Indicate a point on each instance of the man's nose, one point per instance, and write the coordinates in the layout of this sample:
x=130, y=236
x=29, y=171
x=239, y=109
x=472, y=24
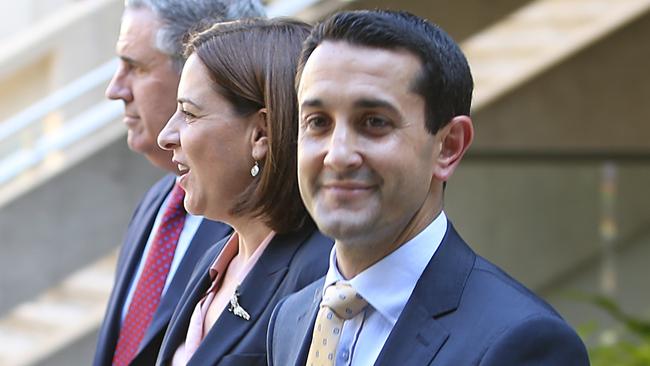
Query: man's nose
x=119, y=87
x=342, y=150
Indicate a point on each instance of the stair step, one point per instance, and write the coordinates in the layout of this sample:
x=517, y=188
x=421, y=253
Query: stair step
x=58, y=317
x=539, y=36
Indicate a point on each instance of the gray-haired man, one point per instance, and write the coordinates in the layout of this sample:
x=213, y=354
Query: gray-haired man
x=162, y=242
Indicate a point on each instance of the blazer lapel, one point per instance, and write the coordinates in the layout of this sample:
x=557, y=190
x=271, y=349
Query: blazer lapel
x=206, y=236
x=256, y=292
x=180, y=320
x=141, y=226
x=417, y=335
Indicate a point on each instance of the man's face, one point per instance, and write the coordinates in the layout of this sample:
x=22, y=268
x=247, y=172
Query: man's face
x=147, y=82
x=365, y=160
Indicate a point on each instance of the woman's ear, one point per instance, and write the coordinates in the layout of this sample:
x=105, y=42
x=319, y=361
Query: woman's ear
x=259, y=135
x=454, y=139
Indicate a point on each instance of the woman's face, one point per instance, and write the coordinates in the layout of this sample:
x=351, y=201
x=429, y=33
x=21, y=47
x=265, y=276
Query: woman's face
x=211, y=144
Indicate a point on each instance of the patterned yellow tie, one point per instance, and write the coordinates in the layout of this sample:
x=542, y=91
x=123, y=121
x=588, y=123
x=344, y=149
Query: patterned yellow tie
x=340, y=303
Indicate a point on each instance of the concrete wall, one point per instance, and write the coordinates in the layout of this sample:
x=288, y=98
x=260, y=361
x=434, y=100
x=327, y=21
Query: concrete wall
x=596, y=101
x=74, y=219
x=16, y=16
x=55, y=49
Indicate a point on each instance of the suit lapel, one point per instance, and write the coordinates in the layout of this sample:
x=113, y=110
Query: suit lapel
x=141, y=227
x=207, y=234
x=256, y=292
x=418, y=335
x=305, y=324
x=141, y=235
x=196, y=288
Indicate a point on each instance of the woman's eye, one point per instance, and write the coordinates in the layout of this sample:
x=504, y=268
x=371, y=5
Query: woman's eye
x=188, y=116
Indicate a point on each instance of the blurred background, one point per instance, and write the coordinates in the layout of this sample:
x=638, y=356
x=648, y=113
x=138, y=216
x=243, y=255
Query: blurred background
x=554, y=189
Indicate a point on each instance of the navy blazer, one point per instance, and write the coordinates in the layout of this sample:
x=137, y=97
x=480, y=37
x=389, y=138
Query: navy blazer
x=290, y=262
x=463, y=311
x=208, y=233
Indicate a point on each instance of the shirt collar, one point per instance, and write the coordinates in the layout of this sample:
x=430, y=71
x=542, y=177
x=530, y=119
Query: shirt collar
x=387, y=285
x=229, y=251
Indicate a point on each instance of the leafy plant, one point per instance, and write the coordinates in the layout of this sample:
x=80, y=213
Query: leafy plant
x=628, y=347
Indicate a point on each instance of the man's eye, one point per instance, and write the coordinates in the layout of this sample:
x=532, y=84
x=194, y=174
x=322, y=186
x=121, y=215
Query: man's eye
x=376, y=122
x=316, y=122
x=137, y=69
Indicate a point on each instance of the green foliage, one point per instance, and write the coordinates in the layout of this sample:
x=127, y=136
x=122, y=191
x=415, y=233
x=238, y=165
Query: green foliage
x=629, y=348
x=621, y=353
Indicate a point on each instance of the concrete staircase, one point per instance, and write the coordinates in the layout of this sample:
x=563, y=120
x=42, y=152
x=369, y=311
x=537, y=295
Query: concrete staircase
x=64, y=313
x=556, y=178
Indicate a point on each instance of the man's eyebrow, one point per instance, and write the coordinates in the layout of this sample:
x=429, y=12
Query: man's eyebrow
x=361, y=103
x=131, y=61
x=312, y=103
x=375, y=103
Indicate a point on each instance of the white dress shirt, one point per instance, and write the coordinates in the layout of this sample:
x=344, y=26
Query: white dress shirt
x=190, y=227
x=386, y=286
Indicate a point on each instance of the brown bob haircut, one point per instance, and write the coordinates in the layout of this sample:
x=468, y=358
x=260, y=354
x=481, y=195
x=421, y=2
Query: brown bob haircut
x=252, y=63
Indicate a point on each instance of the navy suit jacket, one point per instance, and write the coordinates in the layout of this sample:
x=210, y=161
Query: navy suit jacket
x=290, y=262
x=208, y=233
x=463, y=311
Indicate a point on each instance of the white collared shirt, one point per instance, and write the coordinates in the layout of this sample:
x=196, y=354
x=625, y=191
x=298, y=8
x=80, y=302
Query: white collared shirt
x=386, y=285
x=190, y=227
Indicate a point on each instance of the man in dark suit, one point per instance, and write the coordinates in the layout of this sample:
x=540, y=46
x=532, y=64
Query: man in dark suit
x=384, y=121
x=163, y=242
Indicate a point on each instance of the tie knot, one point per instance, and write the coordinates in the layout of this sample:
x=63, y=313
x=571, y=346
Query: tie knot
x=344, y=301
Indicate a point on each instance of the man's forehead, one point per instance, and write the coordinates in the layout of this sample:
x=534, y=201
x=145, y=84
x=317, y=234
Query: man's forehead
x=340, y=62
x=137, y=31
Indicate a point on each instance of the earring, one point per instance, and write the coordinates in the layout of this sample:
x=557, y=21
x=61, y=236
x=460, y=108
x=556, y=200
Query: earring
x=255, y=169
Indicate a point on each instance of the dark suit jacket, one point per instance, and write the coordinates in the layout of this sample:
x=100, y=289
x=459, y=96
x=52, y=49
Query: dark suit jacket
x=463, y=311
x=289, y=263
x=208, y=233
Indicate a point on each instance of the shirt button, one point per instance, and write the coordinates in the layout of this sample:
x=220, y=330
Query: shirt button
x=345, y=354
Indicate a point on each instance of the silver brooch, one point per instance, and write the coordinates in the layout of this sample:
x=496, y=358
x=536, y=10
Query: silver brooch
x=235, y=308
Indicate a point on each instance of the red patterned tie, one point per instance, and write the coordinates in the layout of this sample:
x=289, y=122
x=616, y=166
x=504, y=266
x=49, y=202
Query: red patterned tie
x=152, y=280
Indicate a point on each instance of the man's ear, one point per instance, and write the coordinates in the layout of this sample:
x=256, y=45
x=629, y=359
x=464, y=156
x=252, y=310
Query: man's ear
x=454, y=139
x=259, y=135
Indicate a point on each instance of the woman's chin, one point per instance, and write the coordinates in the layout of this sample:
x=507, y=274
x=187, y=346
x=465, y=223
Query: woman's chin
x=191, y=206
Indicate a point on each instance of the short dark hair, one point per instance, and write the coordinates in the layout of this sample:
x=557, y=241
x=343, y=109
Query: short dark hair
x=252, y=63
x=444, y=81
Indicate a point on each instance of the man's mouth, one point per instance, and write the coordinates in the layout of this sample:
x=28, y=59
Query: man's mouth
x=346, y=185
x=130, y=120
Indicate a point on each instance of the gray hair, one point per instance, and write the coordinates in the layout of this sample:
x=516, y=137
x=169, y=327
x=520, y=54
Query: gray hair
x=181, y=17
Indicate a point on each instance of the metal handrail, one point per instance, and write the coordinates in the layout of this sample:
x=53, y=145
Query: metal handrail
x=88, y=121
x=81, y=126
x=40, y=109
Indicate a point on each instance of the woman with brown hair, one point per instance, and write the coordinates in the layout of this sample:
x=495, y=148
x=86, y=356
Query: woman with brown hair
x=234, y=140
